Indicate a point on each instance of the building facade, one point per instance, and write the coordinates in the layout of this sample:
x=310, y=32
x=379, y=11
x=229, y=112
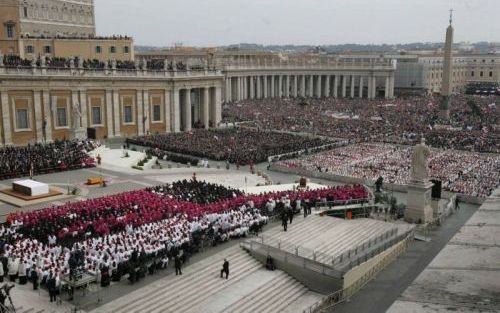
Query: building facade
x=425, y=72
x=57, y=28
x=39, y=104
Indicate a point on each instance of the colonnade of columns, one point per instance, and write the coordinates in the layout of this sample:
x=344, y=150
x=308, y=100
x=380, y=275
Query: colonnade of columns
x=197, y=107
x=239, y=88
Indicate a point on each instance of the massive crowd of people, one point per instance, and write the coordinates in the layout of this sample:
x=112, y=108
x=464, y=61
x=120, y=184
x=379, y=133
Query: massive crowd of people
x=17, y=161
x=239, y=146
x=460, y=171
x=400, y=121
x=143, y=227
x=194, y=191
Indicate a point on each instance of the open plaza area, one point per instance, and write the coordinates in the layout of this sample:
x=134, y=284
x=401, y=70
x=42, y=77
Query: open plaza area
x=186, y=167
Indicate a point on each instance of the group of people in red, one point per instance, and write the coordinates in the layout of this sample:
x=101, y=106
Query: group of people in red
x=110, y=214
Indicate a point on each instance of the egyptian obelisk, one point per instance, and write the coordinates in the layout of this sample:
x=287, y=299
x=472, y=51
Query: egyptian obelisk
x=447, y=85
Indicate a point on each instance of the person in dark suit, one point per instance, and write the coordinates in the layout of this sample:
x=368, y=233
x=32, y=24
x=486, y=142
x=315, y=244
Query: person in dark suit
x=34, y=277
x=51, y=285
x=178, y=265
x=225, y=268
x=284, y=220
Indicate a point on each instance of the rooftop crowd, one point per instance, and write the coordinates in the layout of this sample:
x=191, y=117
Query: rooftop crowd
x=236, y=146
x=460, y=171
x=13, y=61
x=399, y=121
x=152, y=224
x=45, y=158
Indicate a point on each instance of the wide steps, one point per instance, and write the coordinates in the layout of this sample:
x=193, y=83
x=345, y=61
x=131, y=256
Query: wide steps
x=181, y=292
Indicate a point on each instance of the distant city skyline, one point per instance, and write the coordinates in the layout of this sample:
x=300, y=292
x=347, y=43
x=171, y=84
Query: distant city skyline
x=301, y=22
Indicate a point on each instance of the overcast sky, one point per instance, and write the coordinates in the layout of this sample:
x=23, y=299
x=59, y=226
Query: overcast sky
x=314, y=22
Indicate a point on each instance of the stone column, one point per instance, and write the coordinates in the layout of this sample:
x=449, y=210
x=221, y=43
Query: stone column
x=287, y=86
x=206, y=109
x=374, y=89
x=237, y=89
x=318, y=87
x=245, y=87
x=37, y=98
x=218, y=106
x=147, y=114
x=344, y=86
x=386, y=91
x=370, y=87
x=311, y=86
x=228, y=89
x=353, y=83
x=140, y=108
x=167, y=112
x=280, y=86
x=273, y=90
x=335, y=86
x=7, y=130
x=83, y=101
x=177, y=110
x=265, y=87
x=75, y=101
x=327, y=86
x=258, y=83
x=391, y=87
x=109, y=113
x=361, y=78
x=252, y=87
x=295, y=86
x=187, y=109
x=47, y=109
x=302, y=85
x=116, y=112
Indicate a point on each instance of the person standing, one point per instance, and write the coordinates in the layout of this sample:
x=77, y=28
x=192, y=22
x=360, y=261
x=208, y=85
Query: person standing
x=225, y=268
x=290, y=214
x=284, y=220
x=51, y=285
x=34, y=277
x=178, y=265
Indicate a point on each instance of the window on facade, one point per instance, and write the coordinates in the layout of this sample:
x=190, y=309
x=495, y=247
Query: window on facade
x=30, y=49
x=98, y=49
x=481, y=73
x=61, y=117
x=127, y=114
x=126, y=49
x=25, y=11
x=22, y=121
x=112, y=49
x=491, y=74
x=10, y=31
x=472, y=73
x=96, y=116
x=156, y=113
x=47, y=49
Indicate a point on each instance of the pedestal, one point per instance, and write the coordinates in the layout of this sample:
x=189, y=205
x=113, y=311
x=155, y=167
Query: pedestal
x=79, y=133
x=418, y=207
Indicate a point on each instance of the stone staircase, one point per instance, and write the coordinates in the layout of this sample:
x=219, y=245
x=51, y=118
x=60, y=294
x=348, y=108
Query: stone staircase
x=250, y=288
x=325, y=238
